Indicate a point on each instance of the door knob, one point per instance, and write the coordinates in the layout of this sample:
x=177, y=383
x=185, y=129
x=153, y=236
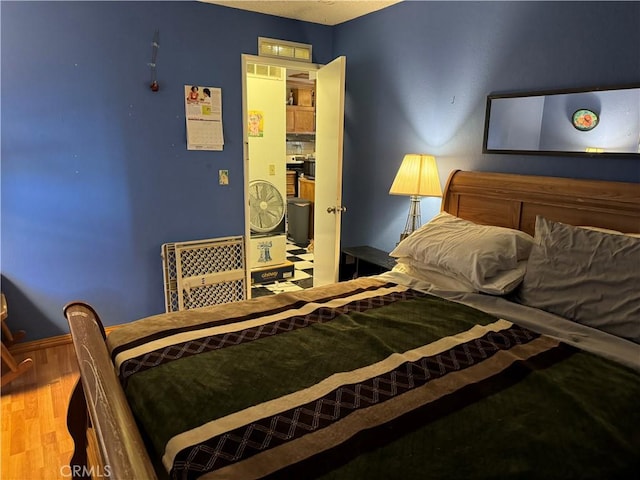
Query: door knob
x=336, y=209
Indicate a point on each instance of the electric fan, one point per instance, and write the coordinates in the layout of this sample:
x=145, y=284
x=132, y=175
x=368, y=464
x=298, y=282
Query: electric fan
x=266, y=206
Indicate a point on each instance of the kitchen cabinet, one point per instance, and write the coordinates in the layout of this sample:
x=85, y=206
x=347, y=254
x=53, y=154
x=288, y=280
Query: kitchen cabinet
x=307, y=190
x=303, y=96
x=292, y=177
x=301, y=119
x=301, y=108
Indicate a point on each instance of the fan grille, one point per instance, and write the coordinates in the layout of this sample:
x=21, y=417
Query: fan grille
x=266, y=206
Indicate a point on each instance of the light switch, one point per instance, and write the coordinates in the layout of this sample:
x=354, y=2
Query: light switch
x=272, y=169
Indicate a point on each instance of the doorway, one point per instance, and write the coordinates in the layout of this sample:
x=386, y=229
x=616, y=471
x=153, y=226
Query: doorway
x=293, y=131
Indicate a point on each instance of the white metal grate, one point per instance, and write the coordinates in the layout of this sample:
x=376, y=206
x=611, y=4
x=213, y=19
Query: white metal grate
x=203, y=272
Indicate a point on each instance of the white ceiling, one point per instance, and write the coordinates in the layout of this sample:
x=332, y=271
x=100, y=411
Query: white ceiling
x=326, y=12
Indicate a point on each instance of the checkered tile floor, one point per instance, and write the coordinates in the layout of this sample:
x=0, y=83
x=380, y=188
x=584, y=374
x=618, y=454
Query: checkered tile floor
x=302, y=276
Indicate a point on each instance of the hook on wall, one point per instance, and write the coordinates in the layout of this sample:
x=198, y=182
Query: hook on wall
x=155, y=44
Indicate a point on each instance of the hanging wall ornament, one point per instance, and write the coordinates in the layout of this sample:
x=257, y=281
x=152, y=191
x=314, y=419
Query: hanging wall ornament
x=154, y=55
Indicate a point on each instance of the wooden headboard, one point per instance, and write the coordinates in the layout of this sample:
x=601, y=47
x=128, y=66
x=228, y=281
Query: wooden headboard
x=513, y=201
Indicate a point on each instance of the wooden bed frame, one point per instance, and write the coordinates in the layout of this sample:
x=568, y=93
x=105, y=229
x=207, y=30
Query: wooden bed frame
x=98, y=401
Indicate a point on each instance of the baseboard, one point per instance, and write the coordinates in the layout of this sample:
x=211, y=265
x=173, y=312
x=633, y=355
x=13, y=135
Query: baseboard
x=50, y=342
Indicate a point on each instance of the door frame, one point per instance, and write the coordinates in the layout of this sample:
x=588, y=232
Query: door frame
x=286, y=64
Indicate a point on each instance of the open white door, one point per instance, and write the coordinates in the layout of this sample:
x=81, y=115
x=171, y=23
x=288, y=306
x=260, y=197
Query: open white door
x=330, y=88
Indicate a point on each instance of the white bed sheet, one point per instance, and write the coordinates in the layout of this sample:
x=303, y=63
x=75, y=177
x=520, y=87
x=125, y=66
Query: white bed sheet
x=586, y=338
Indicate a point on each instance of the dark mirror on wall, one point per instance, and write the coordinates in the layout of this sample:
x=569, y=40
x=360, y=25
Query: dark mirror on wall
x=568, y=122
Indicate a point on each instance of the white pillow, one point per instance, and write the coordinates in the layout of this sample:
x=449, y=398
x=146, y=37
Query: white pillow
x=500, y=284
x=473, y=252
x=437, y=278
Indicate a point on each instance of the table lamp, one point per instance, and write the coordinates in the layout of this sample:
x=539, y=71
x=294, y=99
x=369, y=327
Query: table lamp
x=416, y=177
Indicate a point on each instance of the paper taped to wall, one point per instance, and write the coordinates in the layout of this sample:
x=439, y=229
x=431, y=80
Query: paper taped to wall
x=203, y=114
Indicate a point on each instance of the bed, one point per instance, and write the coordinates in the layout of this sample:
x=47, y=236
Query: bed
x=515, y=354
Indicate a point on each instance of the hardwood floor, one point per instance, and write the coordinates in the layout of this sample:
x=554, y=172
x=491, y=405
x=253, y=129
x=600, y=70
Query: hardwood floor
x=34, y=438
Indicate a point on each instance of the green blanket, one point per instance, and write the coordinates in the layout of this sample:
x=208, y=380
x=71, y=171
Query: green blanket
x=370, y=380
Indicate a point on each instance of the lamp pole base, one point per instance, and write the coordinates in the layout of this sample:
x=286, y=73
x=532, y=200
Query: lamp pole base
x=413, y=219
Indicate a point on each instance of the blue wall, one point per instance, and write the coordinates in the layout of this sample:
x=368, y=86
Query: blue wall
x=95, y=171
x=418, y=74
x=95, y=174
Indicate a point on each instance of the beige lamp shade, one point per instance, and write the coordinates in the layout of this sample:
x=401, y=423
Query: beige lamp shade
x=418, y=175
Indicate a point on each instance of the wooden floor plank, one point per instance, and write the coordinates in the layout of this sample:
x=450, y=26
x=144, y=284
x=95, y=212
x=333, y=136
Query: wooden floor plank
x=17, y=434
x=35, y=442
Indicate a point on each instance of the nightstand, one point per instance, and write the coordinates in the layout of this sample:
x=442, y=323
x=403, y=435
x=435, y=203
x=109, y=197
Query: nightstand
x=364, y=260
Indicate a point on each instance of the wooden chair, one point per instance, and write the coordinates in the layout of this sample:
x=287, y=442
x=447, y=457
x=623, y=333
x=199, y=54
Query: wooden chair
x=8, y=339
